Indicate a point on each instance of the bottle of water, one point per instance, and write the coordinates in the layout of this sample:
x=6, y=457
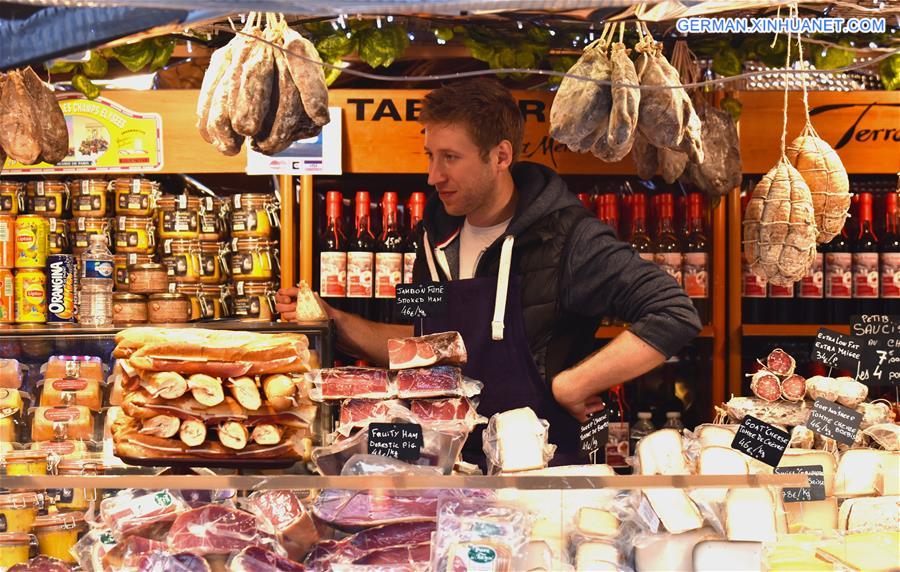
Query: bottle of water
x=96, y=284
x=673, y=420
x=642, y=428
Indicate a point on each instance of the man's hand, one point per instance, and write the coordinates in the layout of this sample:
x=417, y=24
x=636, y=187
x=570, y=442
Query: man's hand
x=286, y=303
x=570, y=393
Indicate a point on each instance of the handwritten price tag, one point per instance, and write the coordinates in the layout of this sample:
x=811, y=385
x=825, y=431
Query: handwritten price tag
x=761, y=441
x=421, y=300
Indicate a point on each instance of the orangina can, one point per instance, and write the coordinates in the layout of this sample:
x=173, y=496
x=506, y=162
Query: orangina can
x=31, y=297
x=32, y=241
x=7, y=241
x=7, y=296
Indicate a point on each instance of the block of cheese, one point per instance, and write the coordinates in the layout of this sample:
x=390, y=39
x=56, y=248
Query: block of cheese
x=813, y=515
x=716, y=435
x=574, y=499
x=551, y=532
x=750, y=515
x=795, y=552
x=596, y=522
x=521, y=439
x=727, y=556
x=807, y=457
x=888, y=480
x=661, y=453
x=870, y=514
x=869, y=551
x=715, y=460
x=535, y=556
x=670, y=551
x=676, y=511
x=857, y=472
x=597, y=556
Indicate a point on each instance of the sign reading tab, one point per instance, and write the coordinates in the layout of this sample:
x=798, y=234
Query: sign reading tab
x=595, y=432
x=830, y=419
x=421, y=300
x=834, y=349
x=761, y=441
x=401, y=441
x=814, y=492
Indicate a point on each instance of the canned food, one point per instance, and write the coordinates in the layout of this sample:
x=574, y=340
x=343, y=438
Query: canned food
x=255, y=300
x=122, y=262
x=12, y=199
x=57, y=534
x=169, y=308
x=59, y=236
x=90, y=197
x=129, y=308
x=48, y=198
x=213, y=263
x=253, y=259
x=7, y=241
x=31, y=297
x=213, y=219
x=179, y=217
x=82, y=229
x=182, y=260
x=147, y=278
x=32, y=241
x=135, y=197
x=135, y=234
x=7, y=296
x=253, y=215
x=61, y=288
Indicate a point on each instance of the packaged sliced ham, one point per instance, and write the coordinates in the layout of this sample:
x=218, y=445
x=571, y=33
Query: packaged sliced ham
x=216, y=529
x=348, y=382
x=163, y=561
x=382, y=544
x=132, y=510
x=440, y=381
x=446, y=348
x=293, y=525
x=358, y=413
x=256, y=559
x=447, y=410
x=355, y=510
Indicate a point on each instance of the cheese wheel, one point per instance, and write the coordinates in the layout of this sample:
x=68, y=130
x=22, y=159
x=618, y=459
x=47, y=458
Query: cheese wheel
x=870, y=514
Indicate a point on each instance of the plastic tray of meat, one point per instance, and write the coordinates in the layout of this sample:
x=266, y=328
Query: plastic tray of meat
x=439, y=381
x=451, y=410
x=446, y=348
x=347, y=382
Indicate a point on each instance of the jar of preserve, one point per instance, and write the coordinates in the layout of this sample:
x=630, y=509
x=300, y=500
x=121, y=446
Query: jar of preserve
x=129, y=309
x=253, y=259
x=213, y=219
x=47, y=198
x=215, y=296
x=168, y=308
x=135, y=197
x=200, y=308
x=213, y=262
x=81, y=229
x=15, y=548
x=255, y=300
x=77, y=499
x=19, y=511
x=121, y=262
x=147, y=278
x=90, y=198
x=59, y=236
x=12, y=197
x=25, y=463
x=135, y=234
x=182, y=260
x=58, y=533
x=178, y=217
x=254, y=215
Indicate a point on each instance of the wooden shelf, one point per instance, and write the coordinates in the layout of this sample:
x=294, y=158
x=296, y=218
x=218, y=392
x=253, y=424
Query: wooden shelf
x=791, y=329
x=609, y=332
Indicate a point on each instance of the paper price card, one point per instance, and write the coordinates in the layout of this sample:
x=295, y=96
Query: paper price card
x=595, y=433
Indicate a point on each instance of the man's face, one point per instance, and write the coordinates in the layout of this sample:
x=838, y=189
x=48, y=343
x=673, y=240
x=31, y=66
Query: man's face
x=463, y=180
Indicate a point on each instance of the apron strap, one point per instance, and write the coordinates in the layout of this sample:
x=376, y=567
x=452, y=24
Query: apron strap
x=502, y=288
x=442, y=260
x=429, y=258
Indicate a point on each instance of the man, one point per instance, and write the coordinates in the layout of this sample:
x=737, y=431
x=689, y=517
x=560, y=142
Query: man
x=528, y=274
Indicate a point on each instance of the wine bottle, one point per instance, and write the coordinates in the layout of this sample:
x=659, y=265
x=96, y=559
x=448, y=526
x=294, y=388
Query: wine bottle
x=753, y=287
x=782, y=304
x=890, y=256
x=865, y=261
x=639, y=238
x=416, y=211
x=839, y=278
x=388, y=259
x=333, y=253
x=586, y=201
x=667, y=251
x=811, y=291
x=361, y=260
x=696, y=258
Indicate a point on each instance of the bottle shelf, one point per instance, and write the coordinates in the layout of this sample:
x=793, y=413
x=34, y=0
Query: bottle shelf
x=798, y=330
x=609, y=332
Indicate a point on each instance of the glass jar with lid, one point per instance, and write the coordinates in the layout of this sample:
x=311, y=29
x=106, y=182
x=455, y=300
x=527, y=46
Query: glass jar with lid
x=81, y=230
x=129, y=309
x=122, y=262
x=19, y=510
x=135, y=234
x=59, y=236
x=213, y=219
x=253, y=259
x=147, y=278
x=47, y=198
x=214, y=265
x=15, y=548
x=12, y=197
x=58, y=533
x=182, y=260
x=78, y=499
x=168, y=308
x=178, y=217
x=90, y=198
x=135, y=197
x=255, y=300
x=254, y=215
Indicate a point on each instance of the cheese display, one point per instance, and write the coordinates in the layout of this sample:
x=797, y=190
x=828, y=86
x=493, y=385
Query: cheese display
x=750, y=515
x=806, y=458
x=857, y=472
x=870, y=514
x=516, y=440
x=811, y=515
x=670, y=551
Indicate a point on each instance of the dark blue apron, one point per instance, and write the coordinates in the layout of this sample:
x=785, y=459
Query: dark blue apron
x=505, y=366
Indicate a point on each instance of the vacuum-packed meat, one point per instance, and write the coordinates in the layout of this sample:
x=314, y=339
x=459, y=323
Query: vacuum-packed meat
x=132, y=510
x=358, y=413
x=354, y=510
x=347, y=382
x=397, y=555
x=440, y=381
x=372, y=541
x=444, y=410
x=41, y=563
x=215, y=529
x=159, y=561
x=293, y=525
x=446, y=348
x=256, y=559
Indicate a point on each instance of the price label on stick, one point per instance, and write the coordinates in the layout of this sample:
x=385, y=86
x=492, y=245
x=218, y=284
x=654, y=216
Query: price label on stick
x=401, y=441
x=595, y=434
x=761, y=441
x=421, y=300
x=834, y=349
x=814, y=492
x=830, y=419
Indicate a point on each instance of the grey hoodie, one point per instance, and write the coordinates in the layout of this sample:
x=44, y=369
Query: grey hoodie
x=602, y=276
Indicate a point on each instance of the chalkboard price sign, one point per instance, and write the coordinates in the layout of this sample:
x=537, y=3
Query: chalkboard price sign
x=876, y=329
x=834, y=349
x=880, y=365
x=814, y=492
x=401, y=441
x=595, y=432
x=421, y=300
x=830, y=419
x=761, y=441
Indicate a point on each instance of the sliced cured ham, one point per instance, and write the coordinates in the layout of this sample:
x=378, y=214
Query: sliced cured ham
x=294, y=526
x=354, y=510
x=348, y=382
x=215, y=529
x=358, y=413
x=440, y=381
x=166, y=562
x=376, y=543
x=446, y=348
x=256, y=559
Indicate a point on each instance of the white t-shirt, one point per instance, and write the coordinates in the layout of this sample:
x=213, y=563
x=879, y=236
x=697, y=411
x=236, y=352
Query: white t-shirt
x=473, y=241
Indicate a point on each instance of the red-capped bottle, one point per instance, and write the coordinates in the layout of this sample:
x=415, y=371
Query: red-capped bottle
x=388, y=258
x=890, y=255
x=811, y=291
x=585, y=199
x=865, y=261
x=416, y=210
x=753, y=287
x=839, y=278
x=639, y=238
x=361, y=259
x=333, y=253
x=696, y=258
x=667, y=251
